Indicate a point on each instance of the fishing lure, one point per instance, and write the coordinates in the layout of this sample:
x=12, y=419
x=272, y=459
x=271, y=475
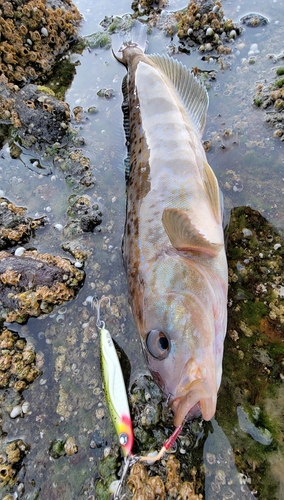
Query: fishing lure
x=114, y=387
x=116, y=397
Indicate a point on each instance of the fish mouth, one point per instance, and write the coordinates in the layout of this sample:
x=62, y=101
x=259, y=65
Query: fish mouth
x=196, y=398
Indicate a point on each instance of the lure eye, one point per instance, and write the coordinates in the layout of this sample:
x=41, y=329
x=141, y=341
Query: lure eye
x=123, y=439
x=157, y=344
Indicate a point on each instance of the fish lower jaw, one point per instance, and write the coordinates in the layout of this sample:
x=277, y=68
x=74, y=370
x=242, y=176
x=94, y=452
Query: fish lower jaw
x=197, y=400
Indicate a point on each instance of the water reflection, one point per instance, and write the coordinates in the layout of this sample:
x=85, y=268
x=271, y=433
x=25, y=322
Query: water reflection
x=222, y=478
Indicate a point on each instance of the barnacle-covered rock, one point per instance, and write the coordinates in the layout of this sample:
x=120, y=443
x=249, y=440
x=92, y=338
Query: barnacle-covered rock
x=11, y=458
x=33, y=34
x=76, y=167
x=256, y=273
x=270, y=96
x=15, y=228
x=17, y=361
x=254, y=20
x=203, y=22
x=144, y=487
x=87, y=212
x=145, y=7
x=33, y=283
x=41, y=115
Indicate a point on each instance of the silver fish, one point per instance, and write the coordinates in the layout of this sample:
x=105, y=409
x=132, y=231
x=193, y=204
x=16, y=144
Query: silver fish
x=173, y=244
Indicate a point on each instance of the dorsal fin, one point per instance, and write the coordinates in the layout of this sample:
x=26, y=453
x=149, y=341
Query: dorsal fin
x=193, y=95
x=183, y=234
x=213, y=191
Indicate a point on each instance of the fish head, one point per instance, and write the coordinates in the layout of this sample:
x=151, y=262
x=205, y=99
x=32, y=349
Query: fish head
x=179, y=342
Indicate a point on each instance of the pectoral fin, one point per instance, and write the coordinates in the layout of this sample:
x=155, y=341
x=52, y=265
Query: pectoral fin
x=183, y=234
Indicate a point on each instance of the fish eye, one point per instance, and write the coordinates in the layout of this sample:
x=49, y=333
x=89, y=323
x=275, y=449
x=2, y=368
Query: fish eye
x=157, y=344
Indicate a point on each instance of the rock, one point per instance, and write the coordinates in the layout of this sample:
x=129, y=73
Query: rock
x=88, y=213
x=33, y=283
x=42, y=116
x=15, y=228
x=254, y=20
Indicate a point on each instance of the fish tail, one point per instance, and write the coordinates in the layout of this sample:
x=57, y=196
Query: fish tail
x=136, y=37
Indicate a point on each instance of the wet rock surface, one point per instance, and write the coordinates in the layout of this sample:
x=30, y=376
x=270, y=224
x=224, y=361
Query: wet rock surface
x=76, y=167
x=41, y=115
x=87, y=213
x=35, y=112
x=32, y=284
x=15, y=228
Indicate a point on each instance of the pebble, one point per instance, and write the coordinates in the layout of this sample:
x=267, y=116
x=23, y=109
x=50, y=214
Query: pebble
x=253, y=50
x=19, y=251
x=16, y=411
x=25, y=407
x=59, y=227
x=113, y=486
x=107, y=451
x=208, y=47
x=246, y=232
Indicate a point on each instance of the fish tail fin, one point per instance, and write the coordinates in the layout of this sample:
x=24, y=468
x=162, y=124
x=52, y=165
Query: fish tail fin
x=136, y=37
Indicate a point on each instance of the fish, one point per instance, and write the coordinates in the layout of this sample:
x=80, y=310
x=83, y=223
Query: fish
x=173, y=245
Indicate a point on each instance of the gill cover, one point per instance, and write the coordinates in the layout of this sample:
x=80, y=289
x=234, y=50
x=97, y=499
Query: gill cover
x=115, y=392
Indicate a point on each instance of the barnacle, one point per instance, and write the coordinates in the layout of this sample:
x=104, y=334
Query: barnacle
x=35, y=36
x=23, y=30
x=7, y=473
x=10, y=277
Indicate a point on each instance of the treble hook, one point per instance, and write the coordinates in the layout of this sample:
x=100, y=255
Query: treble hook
x=129, y=461
x=96, y=304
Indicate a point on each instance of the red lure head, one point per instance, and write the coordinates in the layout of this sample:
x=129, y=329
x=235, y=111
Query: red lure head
x=125, y=434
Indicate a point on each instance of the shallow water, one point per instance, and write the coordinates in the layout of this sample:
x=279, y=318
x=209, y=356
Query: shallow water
x=67, y=400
